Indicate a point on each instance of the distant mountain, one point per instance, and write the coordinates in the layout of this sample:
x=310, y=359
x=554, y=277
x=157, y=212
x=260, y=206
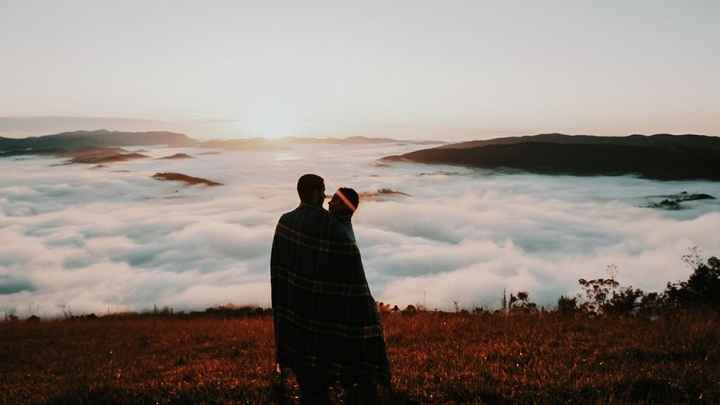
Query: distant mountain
x=263, y=143
x=69, y=141
x=357, y=140
x=659, y=140
x=75, y=140
x=239, y=144
x=661, y=156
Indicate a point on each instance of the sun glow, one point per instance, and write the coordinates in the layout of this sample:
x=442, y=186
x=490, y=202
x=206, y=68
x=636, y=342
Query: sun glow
x=270, y=120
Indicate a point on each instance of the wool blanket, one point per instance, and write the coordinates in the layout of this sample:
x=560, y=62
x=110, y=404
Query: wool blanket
x=324, y=316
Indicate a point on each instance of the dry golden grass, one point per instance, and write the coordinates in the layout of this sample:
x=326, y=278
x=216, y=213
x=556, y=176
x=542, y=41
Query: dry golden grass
x=435, y=358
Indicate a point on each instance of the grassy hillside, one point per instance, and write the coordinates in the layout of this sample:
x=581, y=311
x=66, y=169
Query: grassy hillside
x=435, y=357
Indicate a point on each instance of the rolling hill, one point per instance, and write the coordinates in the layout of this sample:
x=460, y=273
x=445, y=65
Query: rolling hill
x=79, y=140
x=661, y=156
x=69, y=141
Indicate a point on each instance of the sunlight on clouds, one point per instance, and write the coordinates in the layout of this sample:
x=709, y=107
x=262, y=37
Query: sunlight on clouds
x=98, y=239
x=270, y=119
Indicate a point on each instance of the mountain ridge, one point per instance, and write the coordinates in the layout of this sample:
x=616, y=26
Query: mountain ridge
x=74, y=140
x=660, y=156
x=555, y=137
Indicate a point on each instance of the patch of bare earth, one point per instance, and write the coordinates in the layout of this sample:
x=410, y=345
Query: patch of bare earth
x=190, y=180
x=382, y=193
x=99, y=156
x=177, y=156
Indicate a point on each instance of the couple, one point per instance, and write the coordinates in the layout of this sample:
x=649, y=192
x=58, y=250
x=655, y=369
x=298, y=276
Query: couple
x=326, y=324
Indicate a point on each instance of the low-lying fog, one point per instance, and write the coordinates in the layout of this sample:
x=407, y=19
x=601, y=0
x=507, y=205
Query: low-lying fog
x=90, y=239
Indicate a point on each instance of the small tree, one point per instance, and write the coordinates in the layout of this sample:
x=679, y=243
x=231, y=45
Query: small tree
x=597, y=293
x=521, y=302
x=651, y=305
x=701, y=290
x=567, y=305
x=606, y=296
x=409, y=310
x=623, y=301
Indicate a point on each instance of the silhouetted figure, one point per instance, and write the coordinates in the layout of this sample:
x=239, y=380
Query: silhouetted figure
x=326, y=322
x=342, y=206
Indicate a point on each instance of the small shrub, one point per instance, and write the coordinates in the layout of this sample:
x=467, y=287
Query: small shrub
x=383, y=308
x=567, y=305
x=521, y=303
x=409, y=310
x=701, y=290
x=597, y=293
x=623, y=302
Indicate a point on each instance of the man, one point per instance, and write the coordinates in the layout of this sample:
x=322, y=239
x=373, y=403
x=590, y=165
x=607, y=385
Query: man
x=325, y=321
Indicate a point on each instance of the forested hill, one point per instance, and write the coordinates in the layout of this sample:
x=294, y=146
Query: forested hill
x=76, y=140
x=67, y=141
x=662, y=156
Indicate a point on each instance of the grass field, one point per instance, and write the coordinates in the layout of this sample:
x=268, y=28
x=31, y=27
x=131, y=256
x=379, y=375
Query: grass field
x=435, y=358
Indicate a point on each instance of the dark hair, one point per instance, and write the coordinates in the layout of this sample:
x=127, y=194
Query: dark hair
x=351, y=195
x=307, y=184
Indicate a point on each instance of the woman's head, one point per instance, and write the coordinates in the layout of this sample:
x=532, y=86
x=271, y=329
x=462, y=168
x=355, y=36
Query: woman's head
x=344, y=202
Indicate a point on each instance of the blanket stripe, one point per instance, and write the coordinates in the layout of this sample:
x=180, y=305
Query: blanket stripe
x=314, y=243
x=316, y=286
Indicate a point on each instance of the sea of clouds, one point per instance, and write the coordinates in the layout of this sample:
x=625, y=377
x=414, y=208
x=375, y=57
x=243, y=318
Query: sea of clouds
x=84, y=239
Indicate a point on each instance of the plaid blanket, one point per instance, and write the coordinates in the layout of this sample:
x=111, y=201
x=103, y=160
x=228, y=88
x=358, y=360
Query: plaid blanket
x=324, y=316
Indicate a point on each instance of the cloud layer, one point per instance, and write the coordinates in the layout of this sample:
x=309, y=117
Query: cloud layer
x=112, y=239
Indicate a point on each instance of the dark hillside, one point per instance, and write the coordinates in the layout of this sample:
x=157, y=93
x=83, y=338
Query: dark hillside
x=69, y=141
x=663, y=157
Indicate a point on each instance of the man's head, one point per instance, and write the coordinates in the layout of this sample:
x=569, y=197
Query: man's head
x=311, y=189
x=344, y=202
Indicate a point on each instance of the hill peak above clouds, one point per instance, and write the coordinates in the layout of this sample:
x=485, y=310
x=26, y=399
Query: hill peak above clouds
x=660, y=156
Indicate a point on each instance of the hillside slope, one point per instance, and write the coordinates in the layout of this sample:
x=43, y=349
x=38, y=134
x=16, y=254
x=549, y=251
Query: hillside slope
x=68, y=141
x=663, y=157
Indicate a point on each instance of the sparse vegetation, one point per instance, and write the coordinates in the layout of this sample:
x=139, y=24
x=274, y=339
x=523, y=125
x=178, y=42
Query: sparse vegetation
x=597, y=348
x=436, y=357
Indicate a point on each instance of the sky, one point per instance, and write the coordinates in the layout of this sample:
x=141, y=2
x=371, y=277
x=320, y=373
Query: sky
x=414, y=69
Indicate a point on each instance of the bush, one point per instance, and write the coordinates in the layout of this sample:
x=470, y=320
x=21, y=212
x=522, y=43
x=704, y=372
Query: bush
x=598, y=293
x=606, y=296
x=701, y=290
x=521, y=303
x=567, y=305
x=623, y=302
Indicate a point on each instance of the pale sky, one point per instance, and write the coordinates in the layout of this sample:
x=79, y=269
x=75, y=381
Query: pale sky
x=415, y=69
